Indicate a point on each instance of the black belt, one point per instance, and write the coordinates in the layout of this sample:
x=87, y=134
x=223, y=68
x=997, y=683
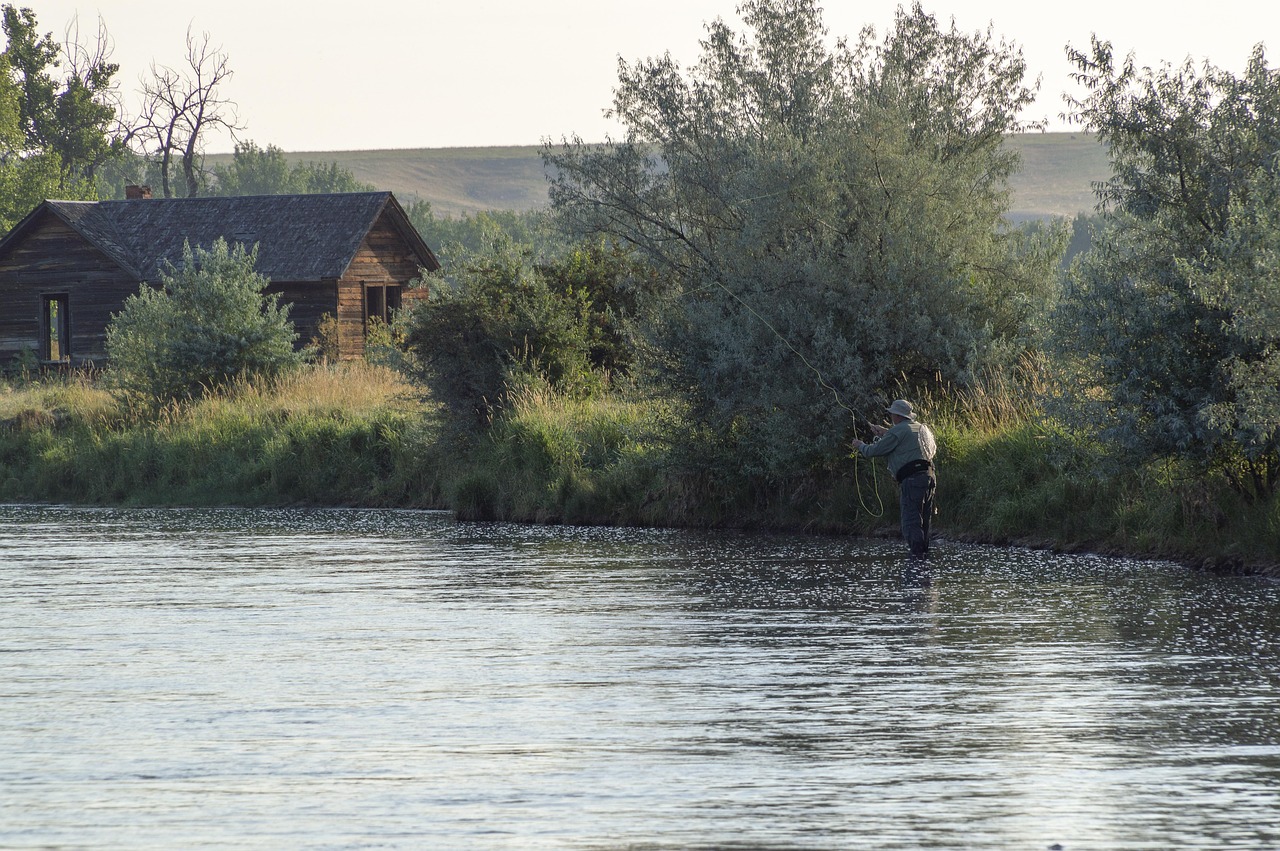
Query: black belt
x=912, y=467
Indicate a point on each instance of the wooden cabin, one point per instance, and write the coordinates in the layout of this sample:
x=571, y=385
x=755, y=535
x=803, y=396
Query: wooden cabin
x=68, y=266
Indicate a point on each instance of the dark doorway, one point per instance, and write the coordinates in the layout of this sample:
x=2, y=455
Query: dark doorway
x=55, y=328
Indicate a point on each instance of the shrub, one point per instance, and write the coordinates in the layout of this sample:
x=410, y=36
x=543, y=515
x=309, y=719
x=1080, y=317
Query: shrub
x=505, y=317
x=1170, y=319
x=208, y=323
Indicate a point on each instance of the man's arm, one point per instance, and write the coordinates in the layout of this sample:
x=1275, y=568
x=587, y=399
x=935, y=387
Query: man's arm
x=883, y=445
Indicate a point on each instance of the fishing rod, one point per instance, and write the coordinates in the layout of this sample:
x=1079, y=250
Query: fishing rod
x=857, y=456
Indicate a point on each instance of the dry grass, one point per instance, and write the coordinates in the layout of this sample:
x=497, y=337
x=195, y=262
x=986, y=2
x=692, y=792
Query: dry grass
x=324, y=390
x=997, y=402
x=76, y=394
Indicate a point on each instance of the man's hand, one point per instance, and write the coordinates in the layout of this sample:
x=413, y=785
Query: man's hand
x=878, y=430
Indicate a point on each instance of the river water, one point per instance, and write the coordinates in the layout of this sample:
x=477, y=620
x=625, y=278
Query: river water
x=374, y=679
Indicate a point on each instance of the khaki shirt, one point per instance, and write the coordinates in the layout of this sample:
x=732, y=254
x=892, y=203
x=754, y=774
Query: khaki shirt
x=906, y=442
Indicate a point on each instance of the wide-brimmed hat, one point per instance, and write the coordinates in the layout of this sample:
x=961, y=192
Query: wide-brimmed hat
x=902, y=408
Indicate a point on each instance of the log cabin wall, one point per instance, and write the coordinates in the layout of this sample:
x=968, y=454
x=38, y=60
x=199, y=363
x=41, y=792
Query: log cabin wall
x=55, y=260
x=350, y=314
x=308, y=301
x=383, y=261
x=81, y=260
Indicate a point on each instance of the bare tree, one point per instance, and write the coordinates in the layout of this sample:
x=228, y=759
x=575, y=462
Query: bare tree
x=86, y=62
x=90, y=111
x=180, y=107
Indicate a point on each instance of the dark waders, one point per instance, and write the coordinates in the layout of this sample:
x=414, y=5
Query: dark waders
x=915, y=502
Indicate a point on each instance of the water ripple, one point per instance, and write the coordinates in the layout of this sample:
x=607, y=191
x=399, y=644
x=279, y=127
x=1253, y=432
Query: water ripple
x=342, y=679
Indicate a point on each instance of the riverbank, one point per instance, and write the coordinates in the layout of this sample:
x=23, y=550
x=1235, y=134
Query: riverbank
x=359, y=435
x=332, y=435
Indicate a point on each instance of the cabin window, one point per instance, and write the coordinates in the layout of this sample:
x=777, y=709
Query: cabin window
x=55, y=328
x=380, y=302
x=375, y=303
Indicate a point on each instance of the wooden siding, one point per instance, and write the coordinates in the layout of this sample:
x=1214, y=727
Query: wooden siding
x=54, y=259
x=308, y=302
x=383, y=259
x=351, y=330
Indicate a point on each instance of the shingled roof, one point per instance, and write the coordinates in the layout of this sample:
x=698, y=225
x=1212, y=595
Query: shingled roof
x=299, y=237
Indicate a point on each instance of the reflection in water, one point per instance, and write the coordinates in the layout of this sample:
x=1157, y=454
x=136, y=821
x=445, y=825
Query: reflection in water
x=227, y=678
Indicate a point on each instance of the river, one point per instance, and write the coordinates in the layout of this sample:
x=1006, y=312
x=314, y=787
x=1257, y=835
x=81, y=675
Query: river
x=227, y=678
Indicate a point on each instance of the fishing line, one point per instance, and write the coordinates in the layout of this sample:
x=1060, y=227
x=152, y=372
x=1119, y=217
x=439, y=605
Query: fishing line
x=857, y=456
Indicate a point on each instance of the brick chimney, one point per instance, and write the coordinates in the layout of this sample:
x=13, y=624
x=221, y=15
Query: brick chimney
x=137, y=193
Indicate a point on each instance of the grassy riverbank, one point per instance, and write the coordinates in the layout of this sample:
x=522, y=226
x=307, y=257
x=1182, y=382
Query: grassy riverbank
x=360, y=435
x=327, y=435
x=1006, y=476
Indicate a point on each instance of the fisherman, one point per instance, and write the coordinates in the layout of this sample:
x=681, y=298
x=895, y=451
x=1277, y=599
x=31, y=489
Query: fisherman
x=908, y=447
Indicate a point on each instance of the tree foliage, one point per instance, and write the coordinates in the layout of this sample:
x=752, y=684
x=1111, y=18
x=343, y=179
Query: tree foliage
x=70, y=115
x=1173, y=301
x=505, y=314
x=55, y=129
x=258, y=171
x=463, y=236
x=831, y=217
x=207, y=323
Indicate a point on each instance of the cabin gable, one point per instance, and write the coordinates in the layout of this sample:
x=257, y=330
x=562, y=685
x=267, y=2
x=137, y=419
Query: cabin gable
x=58, y=292
x=377, y=283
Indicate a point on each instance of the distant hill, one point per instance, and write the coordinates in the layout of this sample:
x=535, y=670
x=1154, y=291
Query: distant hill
x=1058, y=173
x=1056, y=180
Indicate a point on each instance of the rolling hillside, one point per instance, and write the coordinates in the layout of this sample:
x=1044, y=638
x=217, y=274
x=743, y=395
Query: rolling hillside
x=1056, y=180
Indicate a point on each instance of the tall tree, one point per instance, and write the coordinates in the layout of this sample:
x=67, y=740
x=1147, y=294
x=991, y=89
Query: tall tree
x=180, y=108
x=1170, y=303
x=830, y=217
x=73, y=115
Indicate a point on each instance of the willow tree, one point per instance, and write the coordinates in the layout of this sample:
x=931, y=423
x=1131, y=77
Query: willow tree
x=830, y=218
x=1177, y=304
x=209, y=322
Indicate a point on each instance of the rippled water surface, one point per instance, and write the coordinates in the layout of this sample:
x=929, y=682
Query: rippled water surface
x=371, y=679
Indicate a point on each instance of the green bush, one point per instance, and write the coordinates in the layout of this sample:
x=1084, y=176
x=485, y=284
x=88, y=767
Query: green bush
x=1169, y=323
x=505, y=316
x=208, y=323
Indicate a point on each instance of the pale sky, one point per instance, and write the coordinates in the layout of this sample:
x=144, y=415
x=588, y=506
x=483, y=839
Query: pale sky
x=377, y=74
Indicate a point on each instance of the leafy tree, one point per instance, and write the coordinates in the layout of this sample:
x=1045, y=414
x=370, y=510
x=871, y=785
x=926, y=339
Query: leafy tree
x=28, y=176
x=72, y=118
x=463, y=236
x=832, y=218
x=255, y=171
x=208, y=323
x=504, y=315
x=1170, y=302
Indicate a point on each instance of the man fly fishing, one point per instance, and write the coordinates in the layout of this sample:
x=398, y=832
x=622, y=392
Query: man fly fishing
x=908, y=447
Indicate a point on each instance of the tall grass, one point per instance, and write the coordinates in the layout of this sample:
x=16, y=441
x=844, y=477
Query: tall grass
x=354, y=434
x=343, y=434
x=1007, y=472
x=551, y=457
